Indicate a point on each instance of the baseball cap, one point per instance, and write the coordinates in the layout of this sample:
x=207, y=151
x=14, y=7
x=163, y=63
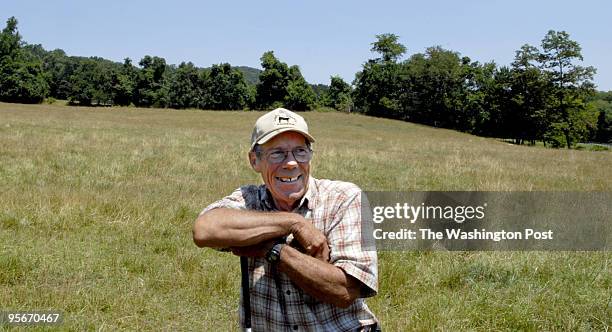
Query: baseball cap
x=278, y=121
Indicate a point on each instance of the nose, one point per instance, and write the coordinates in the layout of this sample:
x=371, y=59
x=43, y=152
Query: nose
x=290, y=162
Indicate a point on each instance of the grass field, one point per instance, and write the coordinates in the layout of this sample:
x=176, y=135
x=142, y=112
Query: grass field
x=97, y=204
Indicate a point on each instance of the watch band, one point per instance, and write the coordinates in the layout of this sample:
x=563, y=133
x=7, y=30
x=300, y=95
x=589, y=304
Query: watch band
x=273, y=255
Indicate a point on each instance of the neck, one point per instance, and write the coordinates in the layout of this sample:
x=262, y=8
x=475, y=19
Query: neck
x=284, y=206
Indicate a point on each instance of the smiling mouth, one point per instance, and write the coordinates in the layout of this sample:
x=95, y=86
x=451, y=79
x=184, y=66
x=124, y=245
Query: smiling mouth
x=286, y=179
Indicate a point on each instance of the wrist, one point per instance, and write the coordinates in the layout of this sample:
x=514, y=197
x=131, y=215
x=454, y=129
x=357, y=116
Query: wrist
x=296, y=222
x=273, y=255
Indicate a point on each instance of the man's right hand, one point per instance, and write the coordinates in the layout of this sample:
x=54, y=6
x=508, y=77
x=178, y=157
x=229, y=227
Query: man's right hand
x=311, y=239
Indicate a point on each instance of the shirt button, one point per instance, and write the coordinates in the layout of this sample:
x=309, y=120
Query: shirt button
x=288, y=292
x=295, y=327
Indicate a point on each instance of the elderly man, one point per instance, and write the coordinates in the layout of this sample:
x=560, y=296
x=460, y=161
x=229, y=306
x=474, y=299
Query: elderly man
x=310, y=264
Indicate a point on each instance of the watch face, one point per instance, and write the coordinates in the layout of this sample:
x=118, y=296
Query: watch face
x=274, y=254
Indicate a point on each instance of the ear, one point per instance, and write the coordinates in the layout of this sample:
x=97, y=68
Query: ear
x=255, y=163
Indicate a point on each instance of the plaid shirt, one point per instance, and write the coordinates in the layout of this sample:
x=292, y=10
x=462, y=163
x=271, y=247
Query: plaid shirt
x=335, y=209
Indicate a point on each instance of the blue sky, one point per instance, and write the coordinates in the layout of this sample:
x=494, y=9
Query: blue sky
x=323, y=37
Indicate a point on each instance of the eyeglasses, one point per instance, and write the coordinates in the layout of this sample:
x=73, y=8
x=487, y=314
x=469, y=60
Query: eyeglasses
x=300, y=154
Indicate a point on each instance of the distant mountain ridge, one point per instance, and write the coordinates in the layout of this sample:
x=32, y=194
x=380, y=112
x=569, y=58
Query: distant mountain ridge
x=251, y=75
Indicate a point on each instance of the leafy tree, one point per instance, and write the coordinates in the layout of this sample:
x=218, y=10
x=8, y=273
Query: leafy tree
x=379, y=85
x=499, y=104
x=477, y=101
x=91, y=82
x=123, y=81
x=281, y=85
x=225, y=88
x=601, y=102
x=150, y=87
x=10, y=39
x=338, y=95
x=377, y=89
x=320, y=91
x=571, y=84
x=435, y=90
x=300, y=95
x=388, y=46
x=58, y=68
x=273, y=81
x=604, y=127
x=527, y=119
x=185, y=87
x=21, y=72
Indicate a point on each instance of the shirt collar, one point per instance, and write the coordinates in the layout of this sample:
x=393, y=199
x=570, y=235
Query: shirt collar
x=307, y=200
x=311, y=194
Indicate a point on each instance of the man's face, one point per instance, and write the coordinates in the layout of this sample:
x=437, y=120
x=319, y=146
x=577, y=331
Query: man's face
x=286, y=180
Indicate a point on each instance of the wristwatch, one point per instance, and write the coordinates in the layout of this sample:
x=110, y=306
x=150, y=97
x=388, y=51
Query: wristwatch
x=273, y=255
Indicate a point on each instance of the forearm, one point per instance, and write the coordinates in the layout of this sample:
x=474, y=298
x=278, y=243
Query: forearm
x=222, y=228
x=319, y=279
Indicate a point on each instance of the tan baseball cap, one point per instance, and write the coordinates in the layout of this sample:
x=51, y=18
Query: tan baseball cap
x=278, y=121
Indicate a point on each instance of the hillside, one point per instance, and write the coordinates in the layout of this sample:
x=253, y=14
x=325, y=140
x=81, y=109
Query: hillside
x=251, y=75
x=97, y=205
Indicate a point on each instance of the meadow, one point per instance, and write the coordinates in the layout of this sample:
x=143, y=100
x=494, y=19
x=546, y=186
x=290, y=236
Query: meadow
x=97, y=205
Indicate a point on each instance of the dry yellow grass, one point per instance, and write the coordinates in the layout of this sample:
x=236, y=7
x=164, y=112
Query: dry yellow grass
x=96, y=207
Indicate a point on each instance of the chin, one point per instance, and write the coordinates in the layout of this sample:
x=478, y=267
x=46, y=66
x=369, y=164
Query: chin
x=297, y=195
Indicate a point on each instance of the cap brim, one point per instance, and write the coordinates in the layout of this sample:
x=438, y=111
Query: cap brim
x=272, y=134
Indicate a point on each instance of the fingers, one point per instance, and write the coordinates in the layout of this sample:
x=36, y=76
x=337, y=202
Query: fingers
x=312, y=240
x=322, y=253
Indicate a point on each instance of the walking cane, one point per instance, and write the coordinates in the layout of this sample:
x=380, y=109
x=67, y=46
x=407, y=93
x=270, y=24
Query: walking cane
x=246, y=296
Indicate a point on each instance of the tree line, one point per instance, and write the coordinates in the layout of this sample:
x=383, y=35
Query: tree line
x=544, y=95
x=29, y=74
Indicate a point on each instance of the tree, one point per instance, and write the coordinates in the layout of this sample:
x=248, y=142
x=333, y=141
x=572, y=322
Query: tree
x=377, y=89
x=476, y=103
x=273, y=81
x=604, y=127
x=58, y=68
x=601, y=102
x=435, y=89
x=91, y=82
x=300, y=95
x=225, y=88
x=151, y=88
x=499, y=104
x=10, y=39
x=123, y=81
x=338, y=95
x=527, y=119
x=388, y=46
x=320, y=91
x=378, y=84
x=571, y=84
x=281, y=85
x=185, y=87
x=21, y=72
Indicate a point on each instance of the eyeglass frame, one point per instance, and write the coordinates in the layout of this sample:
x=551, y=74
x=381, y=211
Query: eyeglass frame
x=258, y=152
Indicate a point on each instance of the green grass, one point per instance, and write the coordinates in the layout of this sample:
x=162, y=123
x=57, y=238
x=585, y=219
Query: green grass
x=97, y=204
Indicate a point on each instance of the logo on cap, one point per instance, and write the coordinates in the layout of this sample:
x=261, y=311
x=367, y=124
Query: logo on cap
x=284, y=119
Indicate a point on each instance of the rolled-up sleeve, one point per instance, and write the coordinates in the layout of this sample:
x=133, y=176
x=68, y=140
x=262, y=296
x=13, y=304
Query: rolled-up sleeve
x=346, y=239
x=233, y=201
